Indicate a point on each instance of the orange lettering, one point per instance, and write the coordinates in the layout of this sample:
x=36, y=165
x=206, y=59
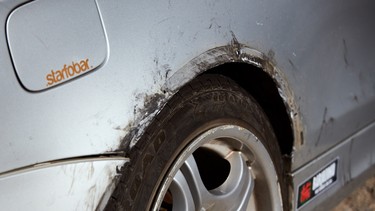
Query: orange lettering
x=67, y=71
x=50, y=79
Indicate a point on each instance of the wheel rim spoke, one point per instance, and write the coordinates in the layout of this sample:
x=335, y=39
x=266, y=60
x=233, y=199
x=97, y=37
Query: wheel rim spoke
x=201, y=196
x=182, y=197
x=235, y=192
x=234, y=187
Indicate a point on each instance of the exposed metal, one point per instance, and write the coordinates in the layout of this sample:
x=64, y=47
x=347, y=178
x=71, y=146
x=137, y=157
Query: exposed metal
x=235, y=52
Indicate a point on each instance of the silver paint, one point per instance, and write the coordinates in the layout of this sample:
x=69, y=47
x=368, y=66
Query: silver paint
x=319, y=53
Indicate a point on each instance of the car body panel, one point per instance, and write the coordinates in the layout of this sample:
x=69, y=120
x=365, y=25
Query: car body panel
x=60, y=185
x=351, y=165
x=322, y=52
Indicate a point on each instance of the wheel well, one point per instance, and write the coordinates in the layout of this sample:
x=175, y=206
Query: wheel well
x=263, y=88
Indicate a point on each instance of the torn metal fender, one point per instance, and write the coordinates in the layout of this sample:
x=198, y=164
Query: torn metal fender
x=234, y=52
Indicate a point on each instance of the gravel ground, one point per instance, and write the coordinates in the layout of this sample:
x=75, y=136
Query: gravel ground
x=362, y=199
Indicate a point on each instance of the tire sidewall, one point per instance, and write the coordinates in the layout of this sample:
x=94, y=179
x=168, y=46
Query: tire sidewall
x=205, y=103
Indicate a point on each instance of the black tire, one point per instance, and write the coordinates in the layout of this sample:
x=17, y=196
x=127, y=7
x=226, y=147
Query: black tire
x=208, y=102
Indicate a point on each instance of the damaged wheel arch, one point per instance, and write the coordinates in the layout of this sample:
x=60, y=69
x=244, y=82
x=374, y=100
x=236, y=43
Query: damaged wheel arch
x=253, y=71
x=259, y=76
x=207, y=104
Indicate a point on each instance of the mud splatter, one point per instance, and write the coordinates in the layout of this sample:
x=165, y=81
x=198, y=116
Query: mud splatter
x=143, y=115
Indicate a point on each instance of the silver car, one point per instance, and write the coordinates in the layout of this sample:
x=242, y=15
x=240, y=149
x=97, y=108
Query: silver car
x=185, y=105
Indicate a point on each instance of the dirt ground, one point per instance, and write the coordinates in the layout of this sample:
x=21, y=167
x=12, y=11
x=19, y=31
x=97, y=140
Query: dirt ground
x=362, y=199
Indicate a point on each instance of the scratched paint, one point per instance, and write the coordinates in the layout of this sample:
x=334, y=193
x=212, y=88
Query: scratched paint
x=69, y=186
